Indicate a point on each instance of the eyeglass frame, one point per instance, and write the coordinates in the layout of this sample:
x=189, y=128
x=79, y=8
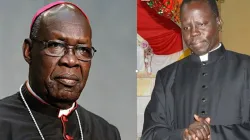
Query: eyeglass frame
x=45, y=45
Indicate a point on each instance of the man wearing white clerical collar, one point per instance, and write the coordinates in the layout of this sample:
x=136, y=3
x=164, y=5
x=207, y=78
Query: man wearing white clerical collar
x=204, y=96
x=59, y=53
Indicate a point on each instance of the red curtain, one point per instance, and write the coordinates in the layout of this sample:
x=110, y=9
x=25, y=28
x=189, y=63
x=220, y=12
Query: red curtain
x=162, y=34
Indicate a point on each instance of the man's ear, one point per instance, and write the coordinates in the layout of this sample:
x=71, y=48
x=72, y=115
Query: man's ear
x=219, y=23
x=27, y=46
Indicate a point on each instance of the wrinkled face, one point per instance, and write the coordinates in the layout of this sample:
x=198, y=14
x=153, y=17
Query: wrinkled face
x=200, y=27
x=60, y=80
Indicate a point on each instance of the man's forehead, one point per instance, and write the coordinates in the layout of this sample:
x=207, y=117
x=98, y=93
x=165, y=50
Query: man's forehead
x=196, y=8
x=197, y=5
x=66, y=29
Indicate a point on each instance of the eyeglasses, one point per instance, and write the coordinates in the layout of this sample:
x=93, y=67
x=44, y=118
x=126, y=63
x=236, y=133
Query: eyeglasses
x=59, y=48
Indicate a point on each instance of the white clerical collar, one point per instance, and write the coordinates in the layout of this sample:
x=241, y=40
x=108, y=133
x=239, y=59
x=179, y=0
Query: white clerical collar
x=61, y=112
x=205, y=56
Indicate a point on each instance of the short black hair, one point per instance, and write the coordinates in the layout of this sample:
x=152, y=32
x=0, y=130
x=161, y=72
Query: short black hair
x=211, y=3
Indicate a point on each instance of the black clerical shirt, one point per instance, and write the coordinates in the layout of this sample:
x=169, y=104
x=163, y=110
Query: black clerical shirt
x=218, y=88
x=17, y=124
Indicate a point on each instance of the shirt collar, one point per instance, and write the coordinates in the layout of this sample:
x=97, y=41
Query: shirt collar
x=205, y=56
x=61, y=112
x=212, y=57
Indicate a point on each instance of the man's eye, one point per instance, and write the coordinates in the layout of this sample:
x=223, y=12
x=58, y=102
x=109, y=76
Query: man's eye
x=55, y=45
x=201, y=24
x=83, y=50
x=185, y=28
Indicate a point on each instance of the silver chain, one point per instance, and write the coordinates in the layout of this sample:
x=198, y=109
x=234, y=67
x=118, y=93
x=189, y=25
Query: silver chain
x=78, y=118
x=34, y=120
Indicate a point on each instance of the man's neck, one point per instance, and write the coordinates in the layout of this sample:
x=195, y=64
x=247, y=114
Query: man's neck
x=62, y=111
x=205, y=56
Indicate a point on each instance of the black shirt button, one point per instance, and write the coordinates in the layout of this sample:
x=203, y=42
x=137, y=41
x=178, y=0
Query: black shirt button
x=204, y=86
x=203, y=100
x=204, y=63
x=203, y=112
x=204, y=74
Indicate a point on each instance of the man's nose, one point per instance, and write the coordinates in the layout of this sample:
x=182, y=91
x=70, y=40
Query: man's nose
x=69, y=59
x=194, y=31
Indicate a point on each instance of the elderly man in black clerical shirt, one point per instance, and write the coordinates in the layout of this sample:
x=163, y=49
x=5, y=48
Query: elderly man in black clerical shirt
x=59, y=54
x=206, y=95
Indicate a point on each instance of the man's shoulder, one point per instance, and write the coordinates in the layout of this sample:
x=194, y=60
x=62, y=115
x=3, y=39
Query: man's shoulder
x=9, y=100
x=169, y=69
x=175, y=64
x=238, y=56
x=11, y=107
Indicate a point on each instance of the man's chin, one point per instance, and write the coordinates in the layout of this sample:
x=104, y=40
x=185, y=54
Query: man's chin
x=68, y=96
x=63, y=100
x=200, y=53
x=199, y=50
x=62, y=96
